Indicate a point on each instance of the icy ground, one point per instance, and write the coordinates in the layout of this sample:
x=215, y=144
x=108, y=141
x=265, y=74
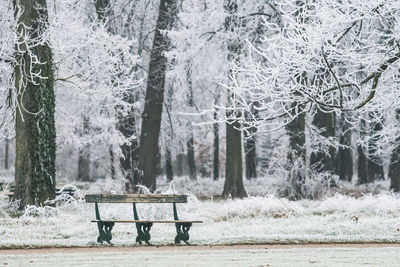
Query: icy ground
x=386, y=256
x=256, y=220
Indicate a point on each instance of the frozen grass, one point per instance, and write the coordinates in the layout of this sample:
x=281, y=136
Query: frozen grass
x=257, y=219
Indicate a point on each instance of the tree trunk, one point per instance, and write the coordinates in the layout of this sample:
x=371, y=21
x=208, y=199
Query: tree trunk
x=6, y=154
x=84, y=164
x=362, y=159
x=112, y=162
x=344, y=156
x=190, y=141
x=35, y=177
x=394, y=167
x=216, y=148
x=322, y=161
x=168, y=165
x=233, y=169
x=374, y=163
x=170, y=136
x=250, y=145
x=84, y=154
x=154, y=97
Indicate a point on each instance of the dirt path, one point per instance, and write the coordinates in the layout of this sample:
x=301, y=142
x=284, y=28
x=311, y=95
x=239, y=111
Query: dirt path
x=67, y=250
x=310, y=255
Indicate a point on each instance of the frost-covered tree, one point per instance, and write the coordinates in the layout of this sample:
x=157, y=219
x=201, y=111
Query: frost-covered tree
x=35, y=173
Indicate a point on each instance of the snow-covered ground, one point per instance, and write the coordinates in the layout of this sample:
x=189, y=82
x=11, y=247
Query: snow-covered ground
x=385, y=256
x=257, y=219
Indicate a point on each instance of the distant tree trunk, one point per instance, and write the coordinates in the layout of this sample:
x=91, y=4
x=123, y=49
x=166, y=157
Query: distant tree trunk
x=250, y=146
x=155, y=96
x=168, y=165
x=84, y=154
x=374, y=163
x=344, y=156
x=180, y=164
x=170, y=136
x=296, y=157
x=394, y=167
x=362, y=159
x=112, y=167
x=320, y=160
x=84, y=164
x=190, y=141
x=35, y=173
x=6, y=154
x=216, y=148
x=233, y=170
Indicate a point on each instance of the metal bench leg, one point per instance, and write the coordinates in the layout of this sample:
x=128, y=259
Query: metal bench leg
x=182, y=229
x=104, y=234
x=143, y=229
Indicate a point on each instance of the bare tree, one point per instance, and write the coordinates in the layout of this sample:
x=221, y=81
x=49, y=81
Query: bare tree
x=151, y=117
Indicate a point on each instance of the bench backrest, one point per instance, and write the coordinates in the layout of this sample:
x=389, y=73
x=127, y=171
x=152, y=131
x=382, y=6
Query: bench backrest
x=135, y=198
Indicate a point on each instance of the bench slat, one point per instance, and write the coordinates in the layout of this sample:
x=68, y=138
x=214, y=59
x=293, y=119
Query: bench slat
x=145, y=221
x=135, y=198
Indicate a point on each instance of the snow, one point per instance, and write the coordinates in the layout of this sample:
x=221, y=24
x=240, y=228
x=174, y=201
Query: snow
x=257, y=219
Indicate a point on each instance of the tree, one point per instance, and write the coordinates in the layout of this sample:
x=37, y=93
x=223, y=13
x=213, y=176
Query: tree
x=151, y=117
x=250, y=146
x=344, y=156
x=324, y=122
x=190, y=141
x=84, y=154
x=233, y=169
x=216, y=139
x=35, y=177
x=394, y=167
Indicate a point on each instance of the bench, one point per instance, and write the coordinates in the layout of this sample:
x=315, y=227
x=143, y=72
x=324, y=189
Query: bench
x=59, y=191
x=143, y=227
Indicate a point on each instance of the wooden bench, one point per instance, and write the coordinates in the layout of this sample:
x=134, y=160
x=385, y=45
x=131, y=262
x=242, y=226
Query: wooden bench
x=59, y=191
x=143, y=227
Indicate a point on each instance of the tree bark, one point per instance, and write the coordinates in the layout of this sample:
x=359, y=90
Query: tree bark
x=35, y=177
x=151, y=117
x=320, y=160
x=374, y=163
x=344, y=156
x=6, y=154
x=362, y=159
x=234, y=164
x=250, y=146
x=394, y=167
x=234, y=171
x=168, y=165
x=112, y=163
x=190, y=141
x=84, y=154
x=216, y=148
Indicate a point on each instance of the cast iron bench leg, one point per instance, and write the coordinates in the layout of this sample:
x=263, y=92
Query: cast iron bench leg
x=104, y=234
x=182, y=229
x=143, y=229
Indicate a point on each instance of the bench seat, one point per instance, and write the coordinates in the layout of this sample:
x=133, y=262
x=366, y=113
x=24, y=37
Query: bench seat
x=144, y=221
